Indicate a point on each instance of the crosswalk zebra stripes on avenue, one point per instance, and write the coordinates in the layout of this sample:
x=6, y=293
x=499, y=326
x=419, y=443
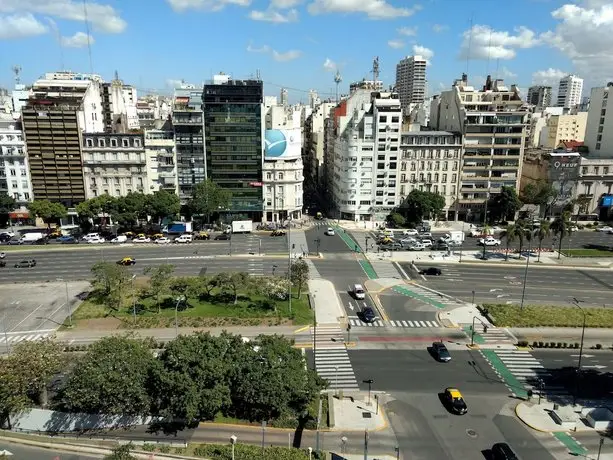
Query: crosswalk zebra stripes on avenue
x=394, y=323
x=28, y=336
x=331, y=358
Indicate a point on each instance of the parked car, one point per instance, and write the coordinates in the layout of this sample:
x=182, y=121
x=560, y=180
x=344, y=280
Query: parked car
x=163, y=240
x=68, y=239
x=126, y=261
x=440, y=352
x=431, y=271
x=489, y=241
x=202, y=236
x=29, y=263
x=223, y=236
x=2, y=263
x=277, y=233
x=141, y=239
x=95, y=240
x=410, y=232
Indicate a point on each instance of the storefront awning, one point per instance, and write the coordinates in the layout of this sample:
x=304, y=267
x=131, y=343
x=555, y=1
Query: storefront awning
x=19, y=215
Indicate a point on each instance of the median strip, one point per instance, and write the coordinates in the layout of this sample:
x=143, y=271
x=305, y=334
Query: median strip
x=504, y=315
x=368, y=269
x=505, y=374
x=347, y=239
x=569, y=442
x=407, y=292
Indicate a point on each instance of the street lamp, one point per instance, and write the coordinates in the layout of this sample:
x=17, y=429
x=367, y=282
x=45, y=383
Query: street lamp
x=600, y=443
x=67, y=301
x=233, y=440
x=179, y=299
x=369, y=382
x=274, y=267
x=318, y=242
x=336, y=378
x=133, y=300
x=290, y=246
x=397, y=450
x=366, y=246
x=523, y=292
x=6, y=337
x=487, y=197
x=576, y=302
x=310, y=450
x=472, y=332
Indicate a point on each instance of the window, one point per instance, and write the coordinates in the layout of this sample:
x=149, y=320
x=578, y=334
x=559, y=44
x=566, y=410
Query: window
x=125, y=142
x=89, y=142
x=26, y=196
x=101, y=143
x=403, y=166
x=598, y=146
x=268, y=176
x=395, y=119
x=584, y=170
x=455, y=165
x=444, y=177
x=113, y=142
x=454, y=177
x=596, y=170
x=605, y=170
x=280, y=178
x=136, y=142
x=117, y=192
x=13, y=172
x=403, y=178
x=402, y=189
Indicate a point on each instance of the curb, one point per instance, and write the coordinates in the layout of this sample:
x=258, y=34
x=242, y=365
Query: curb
x=444, y=321
x=528, y=424
x=473, y=347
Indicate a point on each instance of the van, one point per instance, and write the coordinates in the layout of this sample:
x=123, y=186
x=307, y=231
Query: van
x=358, y=292
x=119, y=239
x=184, y=239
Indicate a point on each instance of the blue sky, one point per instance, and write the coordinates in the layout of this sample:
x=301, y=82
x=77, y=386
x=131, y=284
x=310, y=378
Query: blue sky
x=301, y=43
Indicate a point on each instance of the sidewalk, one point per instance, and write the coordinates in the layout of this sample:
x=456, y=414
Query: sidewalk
x=328, y=307
x=356, y=413
x=439, y=226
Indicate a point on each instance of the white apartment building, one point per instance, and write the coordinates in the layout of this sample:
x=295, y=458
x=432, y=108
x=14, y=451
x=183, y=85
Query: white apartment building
x=284, y=97
x=562, y=128
x=161, y=158
x=152, y=108
x=282, y=117
x=493, y=124
x=114, y=164
x=599, y=129
x=595, y=179
x=14, y=170
x=283, y=178
x=430, y=162
x=411, y=81
x=569, y=91
x=365, y=155
x=314, y=99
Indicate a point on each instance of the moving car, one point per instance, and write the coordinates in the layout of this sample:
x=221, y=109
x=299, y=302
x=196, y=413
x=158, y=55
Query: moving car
x=126, y=261
x=141, y=239
x=186, y=239
x=119, y=239
x=502, y=451
x=202, y=236
x=163, y=240
x=68, y=239
x=489, y=241
x=29, y=263
x=368, y=315
x=278, y=233
x=358, y=292
x=453, y=398
x=440, y=352
x=223, y=236
x=431, y=271
x=330, y=231
x=2, y=263
x=95, y=240
x=410, y=232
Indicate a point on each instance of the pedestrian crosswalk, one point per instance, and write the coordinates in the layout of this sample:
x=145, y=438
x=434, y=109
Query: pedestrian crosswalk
x=428, y=296
x=529, y=371
x=496, y=335
x=331, y=358
x=27, y=336
x=385, y=269
x=356, y=322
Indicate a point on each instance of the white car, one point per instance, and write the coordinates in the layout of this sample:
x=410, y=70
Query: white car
x=407, y=241
x=605, y=229
x=162, y=240
x=425, y=235
x=417, y=247
x=141, y=239
x=489, y=241
x=410, y=232
x=427, y=243
x=95, y=240
x=574, y=229
x=330, y=231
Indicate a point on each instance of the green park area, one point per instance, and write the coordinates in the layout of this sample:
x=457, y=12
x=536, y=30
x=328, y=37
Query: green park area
x=587, y=252
x=158, y=298
x=548, y=316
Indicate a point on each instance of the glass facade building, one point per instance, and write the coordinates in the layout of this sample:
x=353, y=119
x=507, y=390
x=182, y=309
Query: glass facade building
x=234, y=132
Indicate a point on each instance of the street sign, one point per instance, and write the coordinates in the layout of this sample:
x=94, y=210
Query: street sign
x=256, y=184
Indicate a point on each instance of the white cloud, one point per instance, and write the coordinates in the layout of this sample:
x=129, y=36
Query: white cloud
x=20, y=26
x=486, y=43
x=255, y=49
x=205, y=5
x=396, y=44
x=284, y=4
x=505, y=73
x=103, y=18
x=78, y=40
x=438, y=28
x=330, y=65
x=583, y=35
x=174, y=82
x=287, y=56
x=424, y=52
x=549, y=77
x=274, y=16
x=374, y=9
x=408, y=31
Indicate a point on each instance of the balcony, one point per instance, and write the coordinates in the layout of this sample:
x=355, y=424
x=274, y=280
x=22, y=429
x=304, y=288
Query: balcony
x=474, y=177
x=187, y=121
x=122, y=161
x=170, y=174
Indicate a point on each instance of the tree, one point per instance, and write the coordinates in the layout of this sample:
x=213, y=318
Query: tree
x=38, y=362
x=209, y=198
x=273, y=287
x=542, y=232
x=583, y=204
x=538, y=193
x=561, y=227
x=7, y=203
x=121, y=453
x=184, y=286
x=112, y=378
x=511, y=234
x=49, y=211
x=103, y=206
x=191, y=382
x=13, y=392
x=300, y=274
x=111, y=281
x=160, y=279
x=420, y=205
x=396, y=219
x=163, y=204
x=505, y=204
x=232, y=282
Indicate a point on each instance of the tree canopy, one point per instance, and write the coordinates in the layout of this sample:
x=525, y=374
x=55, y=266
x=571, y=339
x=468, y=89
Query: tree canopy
x=208, y=198
x=420, y=205
x=539, y=193
x=7, y=203
x=49, y=211
x=504, y=205
x=299, y=274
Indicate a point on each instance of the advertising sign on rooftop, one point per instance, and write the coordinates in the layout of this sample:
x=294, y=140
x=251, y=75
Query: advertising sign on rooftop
x=282, y=144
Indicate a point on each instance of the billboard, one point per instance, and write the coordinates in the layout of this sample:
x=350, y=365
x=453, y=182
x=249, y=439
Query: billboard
x=282, y=144
x=564, y=167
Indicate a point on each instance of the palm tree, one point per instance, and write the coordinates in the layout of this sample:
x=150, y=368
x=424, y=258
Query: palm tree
x=522, y=235
x=511, y=233
x=561, y=227
x=541, y=233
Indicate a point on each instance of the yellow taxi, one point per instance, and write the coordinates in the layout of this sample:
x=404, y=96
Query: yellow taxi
x=157, y=236
x=454, y=400
x=202, y=236
x=126, y=261
x=129, y=234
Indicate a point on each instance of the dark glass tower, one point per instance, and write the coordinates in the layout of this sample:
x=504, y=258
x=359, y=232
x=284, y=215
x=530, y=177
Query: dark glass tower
x=233, y=136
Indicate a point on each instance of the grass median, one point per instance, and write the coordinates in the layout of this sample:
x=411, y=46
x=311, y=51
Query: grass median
x=588, y=252
x=548, y=316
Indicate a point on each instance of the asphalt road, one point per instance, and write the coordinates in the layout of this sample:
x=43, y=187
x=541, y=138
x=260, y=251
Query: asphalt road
x=424, y=428
x=504, y=284
x=327, y=243
x=21, y=452
x=580, y=239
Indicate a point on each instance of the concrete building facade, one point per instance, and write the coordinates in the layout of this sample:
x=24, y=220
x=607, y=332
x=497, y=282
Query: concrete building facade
x=114, y=164
x=570, y=91
x=599, y=129
x=561, y=128
x=14, y=171
x=160, y=156
x=539, y=96
x=411, y=81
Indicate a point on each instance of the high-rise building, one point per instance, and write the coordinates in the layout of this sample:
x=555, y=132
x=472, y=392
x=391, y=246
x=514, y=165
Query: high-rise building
x=539, y=96
x=569, y=91
x=411, y=81
x=284, y=97
x=363, y=148
x=599, y=129
x=493, y=124
x=161, y=157
x=561, y=128
x=189, y=139
x=234, y=141
x=14, y=173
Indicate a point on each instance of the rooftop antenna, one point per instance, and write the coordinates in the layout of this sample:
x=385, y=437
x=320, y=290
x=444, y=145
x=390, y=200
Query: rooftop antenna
x=375, y=71
x=470, y=42
x=337, y=79
x=89, y=45
x=489, y=53
x=17, y=71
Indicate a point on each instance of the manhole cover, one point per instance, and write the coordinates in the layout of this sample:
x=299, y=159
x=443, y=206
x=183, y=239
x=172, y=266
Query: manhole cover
x=366, y=415
x=471, y=433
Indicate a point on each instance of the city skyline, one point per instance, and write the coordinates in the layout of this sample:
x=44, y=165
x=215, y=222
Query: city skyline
x=283, y=40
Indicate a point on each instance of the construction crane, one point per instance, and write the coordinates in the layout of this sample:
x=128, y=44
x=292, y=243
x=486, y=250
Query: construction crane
x=337, y=79
x=375, y=71
x=17, y=71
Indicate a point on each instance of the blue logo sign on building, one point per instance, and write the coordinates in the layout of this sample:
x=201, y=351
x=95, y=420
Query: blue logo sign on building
x=276, y=143
x=282, y=144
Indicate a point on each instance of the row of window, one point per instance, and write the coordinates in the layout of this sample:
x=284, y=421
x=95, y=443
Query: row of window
x=431, y=166
x=11, y=137
x=431, y=154
x=436, y=140
x=117, y=180
x=585, y=170
x=429, y=177
x=113, y=142
x=17, y=196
